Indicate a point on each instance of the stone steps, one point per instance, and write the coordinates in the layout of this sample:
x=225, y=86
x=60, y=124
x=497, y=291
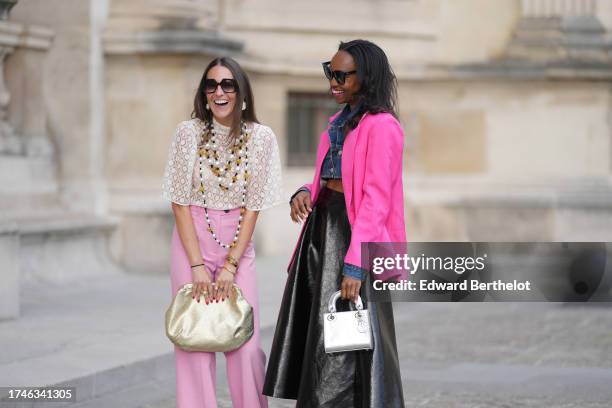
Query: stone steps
x=52, y=247
x=63, y=247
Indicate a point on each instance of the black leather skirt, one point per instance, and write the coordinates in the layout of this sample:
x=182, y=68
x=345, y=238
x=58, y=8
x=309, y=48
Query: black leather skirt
x=298, y=367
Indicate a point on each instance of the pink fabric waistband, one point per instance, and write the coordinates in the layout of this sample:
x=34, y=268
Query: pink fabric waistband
x=200, y=210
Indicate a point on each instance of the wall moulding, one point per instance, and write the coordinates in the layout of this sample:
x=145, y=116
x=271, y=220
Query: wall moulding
x=169, y=41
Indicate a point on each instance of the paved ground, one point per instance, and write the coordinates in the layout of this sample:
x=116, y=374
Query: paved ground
x=499, y=355
x=452, y=355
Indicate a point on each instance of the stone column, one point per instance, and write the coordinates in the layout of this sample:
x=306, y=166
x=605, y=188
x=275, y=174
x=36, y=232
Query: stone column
x=27, y=170
x=9, y=34
x=64, y=83
x=9, y=145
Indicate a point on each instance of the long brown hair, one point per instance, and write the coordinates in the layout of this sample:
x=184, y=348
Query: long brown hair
x=243, y=94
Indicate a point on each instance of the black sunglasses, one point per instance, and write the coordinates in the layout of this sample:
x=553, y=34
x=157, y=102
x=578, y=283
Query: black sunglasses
x=228, y=85
x=339, y=76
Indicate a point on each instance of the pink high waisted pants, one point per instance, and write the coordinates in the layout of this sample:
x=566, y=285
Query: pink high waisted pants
x=196, y=371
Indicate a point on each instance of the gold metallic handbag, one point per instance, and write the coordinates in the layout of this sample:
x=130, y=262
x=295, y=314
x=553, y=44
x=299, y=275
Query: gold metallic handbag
x=197, y=326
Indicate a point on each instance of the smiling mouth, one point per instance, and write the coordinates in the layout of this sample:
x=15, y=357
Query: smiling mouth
x=222, y=102
x=337, y=92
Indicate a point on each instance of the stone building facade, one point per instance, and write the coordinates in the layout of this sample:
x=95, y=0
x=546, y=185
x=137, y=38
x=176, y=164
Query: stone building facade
x=506, y=106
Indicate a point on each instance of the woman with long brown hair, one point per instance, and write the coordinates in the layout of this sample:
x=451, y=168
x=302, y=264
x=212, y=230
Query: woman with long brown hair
x=223, y=168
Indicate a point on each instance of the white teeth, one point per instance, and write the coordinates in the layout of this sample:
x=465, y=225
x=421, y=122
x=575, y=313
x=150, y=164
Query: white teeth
x=222, y=102
x=336, y=92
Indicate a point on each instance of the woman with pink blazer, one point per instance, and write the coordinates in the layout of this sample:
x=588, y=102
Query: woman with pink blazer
x=358, y=197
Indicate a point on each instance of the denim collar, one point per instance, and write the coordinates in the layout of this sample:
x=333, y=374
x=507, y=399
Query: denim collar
x=346, y=115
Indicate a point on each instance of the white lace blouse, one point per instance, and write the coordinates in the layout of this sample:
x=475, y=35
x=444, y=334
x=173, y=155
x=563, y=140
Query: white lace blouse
x=182, y=176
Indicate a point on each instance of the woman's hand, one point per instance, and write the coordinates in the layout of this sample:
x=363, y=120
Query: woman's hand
x=202, y=283
x=301, y=206
x=350, y=288
x=224, y=283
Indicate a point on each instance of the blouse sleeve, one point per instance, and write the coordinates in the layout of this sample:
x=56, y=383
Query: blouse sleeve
x=178, y=177
x=264, y=189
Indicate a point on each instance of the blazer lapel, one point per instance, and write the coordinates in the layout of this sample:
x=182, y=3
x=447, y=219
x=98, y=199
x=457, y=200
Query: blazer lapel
x=348, y=162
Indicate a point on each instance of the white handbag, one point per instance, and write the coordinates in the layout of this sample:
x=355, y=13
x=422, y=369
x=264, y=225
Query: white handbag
x=346, y=331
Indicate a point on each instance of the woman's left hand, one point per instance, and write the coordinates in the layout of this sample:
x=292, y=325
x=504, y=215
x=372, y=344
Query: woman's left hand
x=224, y=281
x=350, y=288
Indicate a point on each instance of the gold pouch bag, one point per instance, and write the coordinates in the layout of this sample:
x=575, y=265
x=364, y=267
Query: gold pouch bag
x=222, y=326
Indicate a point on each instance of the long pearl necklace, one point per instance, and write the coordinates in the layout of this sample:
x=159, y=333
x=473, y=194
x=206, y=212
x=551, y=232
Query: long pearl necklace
x=230, y=170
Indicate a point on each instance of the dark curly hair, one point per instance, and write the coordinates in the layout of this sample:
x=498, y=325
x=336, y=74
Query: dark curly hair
x=378, y=92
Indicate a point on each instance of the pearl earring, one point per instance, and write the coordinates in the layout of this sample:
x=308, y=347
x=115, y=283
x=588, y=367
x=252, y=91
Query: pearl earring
x=207, y=107
x=243, y=105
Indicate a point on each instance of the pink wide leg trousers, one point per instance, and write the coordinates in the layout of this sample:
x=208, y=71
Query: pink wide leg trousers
x=195, y=371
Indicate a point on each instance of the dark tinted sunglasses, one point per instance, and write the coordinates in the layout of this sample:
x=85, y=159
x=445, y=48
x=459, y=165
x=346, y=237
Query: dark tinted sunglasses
x=228, y=85
x=339, y=76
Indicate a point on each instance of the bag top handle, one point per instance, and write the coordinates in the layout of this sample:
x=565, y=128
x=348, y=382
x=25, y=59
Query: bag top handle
x=334, y=298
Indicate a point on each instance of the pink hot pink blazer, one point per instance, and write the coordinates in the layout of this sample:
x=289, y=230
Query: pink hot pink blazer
x=372, y=181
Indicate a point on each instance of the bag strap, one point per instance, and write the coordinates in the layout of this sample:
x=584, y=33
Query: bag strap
x=331, y=306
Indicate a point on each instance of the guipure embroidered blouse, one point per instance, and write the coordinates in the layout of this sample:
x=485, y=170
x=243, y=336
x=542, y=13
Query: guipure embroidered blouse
x=182, y=175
